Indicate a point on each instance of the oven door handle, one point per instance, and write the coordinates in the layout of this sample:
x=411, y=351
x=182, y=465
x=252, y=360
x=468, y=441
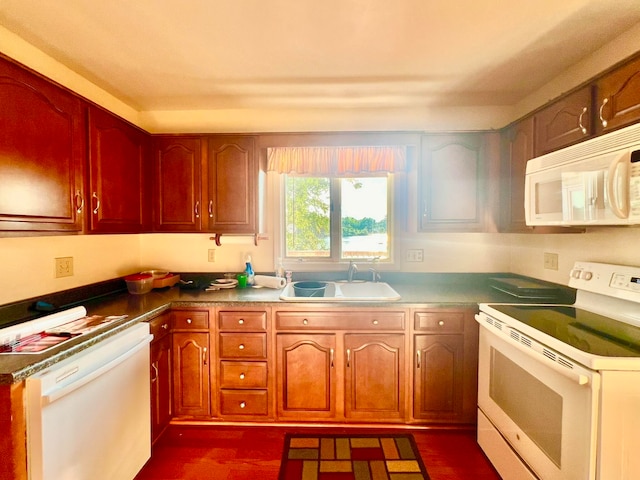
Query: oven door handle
x=580, y=379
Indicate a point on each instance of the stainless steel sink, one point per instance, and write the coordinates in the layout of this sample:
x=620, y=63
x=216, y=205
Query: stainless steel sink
x=347, y=292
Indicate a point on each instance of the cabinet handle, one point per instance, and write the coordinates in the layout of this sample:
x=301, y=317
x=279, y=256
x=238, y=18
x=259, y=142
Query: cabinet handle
x=154, y=365
x=95, y=210
x=602, y=120
x=242, y=376
x=331, y=357
x=348, y=358
x=243, y=404
x=189, y=320
x=204, y=355
x=81, y=198
x=196, y=209
x=375, y=322
x=418, y=359
x=241, y=346
x=582, y=127
x=241, y=321
x=210, y=208
x=441, y=323
x=305, y=322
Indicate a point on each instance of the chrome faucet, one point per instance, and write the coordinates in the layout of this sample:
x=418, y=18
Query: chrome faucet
x=375, y=275
x=353, y=268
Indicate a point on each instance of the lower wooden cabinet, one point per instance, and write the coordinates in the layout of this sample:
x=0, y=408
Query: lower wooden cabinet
x=161, y=410
x=345, y=375
x=191, y=377
x=374, y=377
x=243, y=361
x=161, y=364
x=445, y=366
x=306, y=371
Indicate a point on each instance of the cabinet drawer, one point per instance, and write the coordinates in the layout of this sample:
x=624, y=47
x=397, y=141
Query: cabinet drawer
x=243, y=345
x=243, y=402
x=340, y=320
x=160, y=326
x=449, y=322
x=243, y=374
x=190, y=320
x=242, y=321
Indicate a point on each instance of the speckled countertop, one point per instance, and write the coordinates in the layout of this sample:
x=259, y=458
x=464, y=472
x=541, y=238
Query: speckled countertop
x=442, y=290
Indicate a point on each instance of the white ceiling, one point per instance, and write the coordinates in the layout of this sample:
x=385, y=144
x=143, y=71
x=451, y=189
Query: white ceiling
x=157, y=55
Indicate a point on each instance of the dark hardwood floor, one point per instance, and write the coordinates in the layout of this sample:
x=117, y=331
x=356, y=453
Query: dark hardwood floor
x=189, y=452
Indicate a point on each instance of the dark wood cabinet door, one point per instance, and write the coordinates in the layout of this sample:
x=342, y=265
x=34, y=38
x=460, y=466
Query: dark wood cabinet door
x=42, y=153
x=618, y=97
x=118, y=175
x=177, y=180
x=191, y=389
x=306, y=376
x=451, y=183
x=374, y=377
x=564, y=122
x=232, y=181
x=160, y=385
x=438, y=376
x=517, y=150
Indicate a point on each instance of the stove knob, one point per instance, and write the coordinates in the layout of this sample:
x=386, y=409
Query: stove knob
x=576, y=273
x=586, y=275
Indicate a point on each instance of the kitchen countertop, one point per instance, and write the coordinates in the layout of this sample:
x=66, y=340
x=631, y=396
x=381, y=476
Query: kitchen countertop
x=422, y=290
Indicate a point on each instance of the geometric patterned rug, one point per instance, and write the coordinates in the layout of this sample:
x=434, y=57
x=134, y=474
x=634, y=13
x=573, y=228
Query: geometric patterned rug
x=351, y=457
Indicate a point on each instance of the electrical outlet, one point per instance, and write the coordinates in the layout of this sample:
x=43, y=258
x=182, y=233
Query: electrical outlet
x=414, y=255
x=211, y=255
x=64, y=267
x=550, y=261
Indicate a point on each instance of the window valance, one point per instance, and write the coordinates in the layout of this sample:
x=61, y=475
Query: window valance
x=336, y=161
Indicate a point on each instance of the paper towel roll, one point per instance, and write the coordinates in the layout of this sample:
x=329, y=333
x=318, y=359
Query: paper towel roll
x=269, y=282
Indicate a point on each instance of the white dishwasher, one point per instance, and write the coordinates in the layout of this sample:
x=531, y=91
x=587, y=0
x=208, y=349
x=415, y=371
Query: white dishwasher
x=88, y=416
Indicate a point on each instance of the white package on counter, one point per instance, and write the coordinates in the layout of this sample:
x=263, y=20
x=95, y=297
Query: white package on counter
x=269, y=282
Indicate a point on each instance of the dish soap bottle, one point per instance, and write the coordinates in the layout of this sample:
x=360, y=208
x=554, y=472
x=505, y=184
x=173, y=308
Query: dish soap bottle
x=249, y=271
x=279, y=268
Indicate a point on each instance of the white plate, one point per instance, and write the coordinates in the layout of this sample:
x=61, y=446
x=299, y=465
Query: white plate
x=225, y=283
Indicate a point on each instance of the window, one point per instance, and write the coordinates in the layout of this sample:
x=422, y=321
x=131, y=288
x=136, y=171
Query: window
x=334, y=219
x=336, y=202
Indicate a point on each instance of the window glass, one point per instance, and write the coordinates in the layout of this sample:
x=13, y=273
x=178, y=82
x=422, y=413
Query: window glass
x=336, y=218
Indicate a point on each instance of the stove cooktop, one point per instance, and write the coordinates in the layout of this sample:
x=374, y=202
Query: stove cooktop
x=587, y=331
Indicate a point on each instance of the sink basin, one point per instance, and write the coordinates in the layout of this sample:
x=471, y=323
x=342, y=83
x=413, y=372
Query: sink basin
x=347, y=292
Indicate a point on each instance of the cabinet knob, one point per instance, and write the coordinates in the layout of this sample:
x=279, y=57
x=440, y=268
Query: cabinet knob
x=243, y=404
x=375, y=322
x=242, y=376
x=305, y=322
x=189, y=321
x=441, y=323
x=241, y=346
x=241, y=321
x=165, y=326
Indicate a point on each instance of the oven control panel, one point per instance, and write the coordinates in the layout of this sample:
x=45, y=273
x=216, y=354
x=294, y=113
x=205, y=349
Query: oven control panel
x=613, y=280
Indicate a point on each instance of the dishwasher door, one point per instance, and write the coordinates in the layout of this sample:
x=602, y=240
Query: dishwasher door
x=88, y=416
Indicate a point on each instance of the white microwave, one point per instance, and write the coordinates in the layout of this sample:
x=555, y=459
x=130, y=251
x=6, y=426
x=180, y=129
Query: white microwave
x=596, y=182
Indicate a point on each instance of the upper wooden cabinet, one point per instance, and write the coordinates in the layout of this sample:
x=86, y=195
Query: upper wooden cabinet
x=41, y=154
x=618, y=97
x=564, y=122
x=451, y=178
x=516, y=150
x=118, y=177
x=177, y=184
x=232, y=171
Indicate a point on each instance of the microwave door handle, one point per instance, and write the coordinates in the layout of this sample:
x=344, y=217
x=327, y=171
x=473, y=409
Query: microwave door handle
x=620, y=212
